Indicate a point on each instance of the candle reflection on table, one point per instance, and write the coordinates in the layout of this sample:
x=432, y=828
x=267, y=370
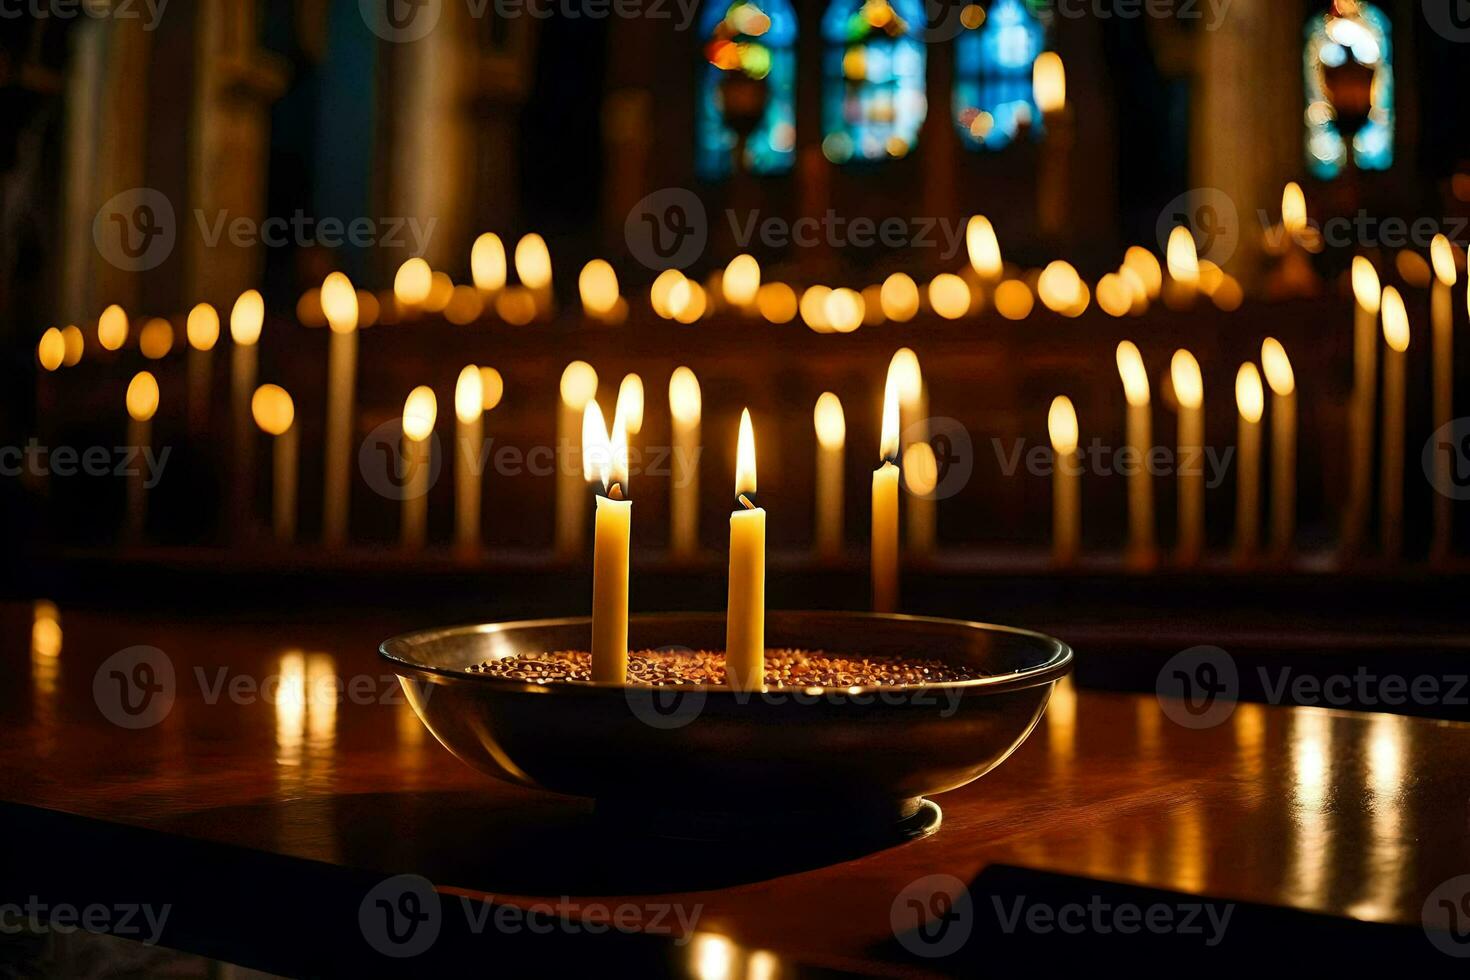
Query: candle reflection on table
x=1311, y=840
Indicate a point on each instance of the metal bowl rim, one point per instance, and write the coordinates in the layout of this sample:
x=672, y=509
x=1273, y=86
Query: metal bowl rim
x=1053, y=668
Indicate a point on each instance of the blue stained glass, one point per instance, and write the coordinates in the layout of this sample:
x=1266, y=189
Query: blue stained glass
x=1361, y=32
x=992, y=90
x=873, y=66
x=758, y=40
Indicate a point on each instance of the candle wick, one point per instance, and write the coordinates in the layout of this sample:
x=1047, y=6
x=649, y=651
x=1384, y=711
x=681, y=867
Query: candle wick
x=615, y=492
x=745, y=502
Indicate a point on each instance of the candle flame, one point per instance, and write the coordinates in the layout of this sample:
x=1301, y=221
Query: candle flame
x=469, y=394
x=949, y=295
x=247, y=317
x=742, y=280
x=52, y=349
x=1183, y=258
x=1133, y=373
x=1059, y=287
x=618, y=452
x=1443, y=258
x=684, y=396
x=420, y=410
x=904, y=367
x=202, y=327
x=830, y=422
x=273, y=410
x=578, y=384
x=1189, y=386
x=1250, y=399
x=487, y=263
x=843, y=310
x=983, y=247
x=492, y=388
x=1293, y=209
x=1061, y=425
x=595, y=445
x=339, y=303
x=1279, y=374
x=630, y=403
x=892, y=395
x=920, y=469
x=598, y=286
x=1114, y=295
x=412, y=284
x=142, y=397
x=1049, y=82
x=1013, y=300
x=75, y=345
x=745, y=457
x=1395, y=320
x=776, y=302
x=660, y=293
x=112, y=328
x=1365, y=284
x=533, y=262
x=1145, y=265
x=156, y=338
x=899, y=297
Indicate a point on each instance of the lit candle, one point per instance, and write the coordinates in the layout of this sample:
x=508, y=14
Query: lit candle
x=276, y=414
x=412, y=285
x=202, y=330
x=605, y=460
x=1282, y=380
x=469, y=408
x=741, y=283
x=533, y=266
x=1442, y=320
x=913, y=408
x=1250, y=401
x=745, y=615
x=1183, y=262
x=885, y=505
x=1066, y=516
x=1367, y=296
x=112, y=328
x=831, y=426
x=578, y=387
x=1049, y=90
x=246, y=320
x=487, y=267
x=1190, y=392
x=339, y=303
x=1139, y=444
x=630, y=404
x=685, y=408
x=142, y=403
x=1391, y=500
x=598, y=286
x=420, y=411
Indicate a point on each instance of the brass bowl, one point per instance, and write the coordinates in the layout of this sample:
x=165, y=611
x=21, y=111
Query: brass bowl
x=713, y=763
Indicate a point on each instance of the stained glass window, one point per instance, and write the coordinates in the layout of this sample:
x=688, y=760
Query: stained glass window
x=873, y=100
x=993, y=58
x=747, y=88
x=1350, y=91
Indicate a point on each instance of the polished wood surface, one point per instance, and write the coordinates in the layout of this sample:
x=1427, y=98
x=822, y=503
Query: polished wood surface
x=1352, y=815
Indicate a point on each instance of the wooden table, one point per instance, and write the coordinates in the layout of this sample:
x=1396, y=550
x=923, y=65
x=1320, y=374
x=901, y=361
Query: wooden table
x=263, y=807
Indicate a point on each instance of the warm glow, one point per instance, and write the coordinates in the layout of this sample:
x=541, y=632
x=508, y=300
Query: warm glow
x=872, y=305
x=1182, y=257
x=1413, y=268
x=339, y=303
x=1278, y=367
x=1443, y=259
x=844, y=310
x=273, y=409
x=465, y=305
x=830, y=423
x=142, y=397
x=900, y=296
x=745, y=456
x=684, y=396
x=1061, y=425
x=1293, y=209
x=949, y=296
x=1049, y=82
x=983, y=248
x=578, y=384
x=1395, y=320
x=309, y=309
x=630, y=403
x=412, y=283
x=112, y=328
x=776, y=302
x=441, y=291
x=920, y=469
x=1060, y=288
x=892, y=393
x=1365, y=284
x=492, y=388
x=1189, y=386
x=487, y=263
x=469, y=395
x=1250, y=399
x=533, y=262
x=202, y=327
x=904, y=367
x=247, y=317
x=156, y=338
x=598, y=286
x=51, y=350
x=596, y=451
x=1145, y=265
x=1013, y=299
x=813, y=308
x=1228, y=295
x=688, y=301
x=419, y=412
x=1133, y=373
x=515, y=305
x=75, y=345
x=1137, y=288
x=1114, y=295
x=742, y=280
x=659, y=292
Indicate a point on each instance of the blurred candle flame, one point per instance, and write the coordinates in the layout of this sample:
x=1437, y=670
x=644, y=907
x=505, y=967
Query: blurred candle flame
x=1061, y=425
x=339, y=303
x=420, y=410
x=247, y=317
x=142, y=397
x=202, y=327
x=1277, y=365
x=831, y=424
x=1395, y=320
x=1189, y=386
x=1366, y=289
x=1250, y=398
x=469, y=394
